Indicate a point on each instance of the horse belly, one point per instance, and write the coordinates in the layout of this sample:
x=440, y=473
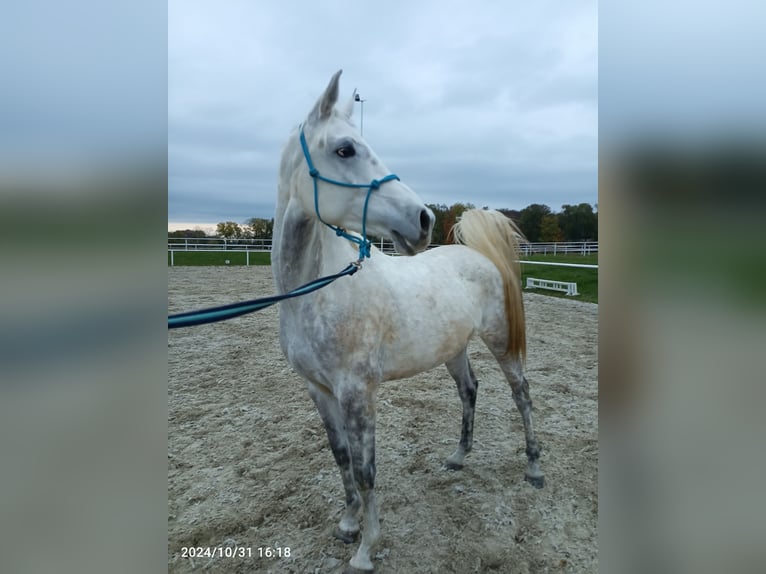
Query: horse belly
x=433, y=323
x=426, y=345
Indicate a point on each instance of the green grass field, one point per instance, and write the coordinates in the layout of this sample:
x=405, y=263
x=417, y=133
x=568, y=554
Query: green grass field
x=586, y=279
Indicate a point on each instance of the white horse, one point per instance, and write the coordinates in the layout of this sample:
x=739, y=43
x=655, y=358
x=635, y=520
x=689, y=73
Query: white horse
x=397, y=316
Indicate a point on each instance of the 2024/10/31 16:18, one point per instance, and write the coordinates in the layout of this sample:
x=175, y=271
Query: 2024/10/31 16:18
x=235, y=552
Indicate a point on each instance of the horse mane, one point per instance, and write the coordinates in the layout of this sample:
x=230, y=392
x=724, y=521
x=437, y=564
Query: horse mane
x=497, y=238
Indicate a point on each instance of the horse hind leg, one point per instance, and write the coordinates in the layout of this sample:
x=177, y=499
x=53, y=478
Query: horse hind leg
x=467, y=386
x=514, y=373
x=329, y=410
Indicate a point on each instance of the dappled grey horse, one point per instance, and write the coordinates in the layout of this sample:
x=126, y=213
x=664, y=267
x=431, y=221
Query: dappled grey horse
x=395, y=317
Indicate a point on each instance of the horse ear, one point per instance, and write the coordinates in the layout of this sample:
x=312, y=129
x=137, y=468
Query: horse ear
x=326, y=103
x=349, y=108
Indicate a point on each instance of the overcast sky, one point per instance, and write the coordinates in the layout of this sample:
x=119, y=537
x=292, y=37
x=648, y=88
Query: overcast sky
x=493, y=103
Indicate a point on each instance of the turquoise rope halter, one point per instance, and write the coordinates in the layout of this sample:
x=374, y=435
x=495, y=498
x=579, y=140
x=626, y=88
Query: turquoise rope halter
x=363, y=242
x=223, y=312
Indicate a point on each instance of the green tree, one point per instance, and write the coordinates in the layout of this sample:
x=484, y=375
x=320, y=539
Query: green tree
x=438, y=236
x=549, y=228
x=229, y=230
x=260, y=228
x=578, y=222
x=531, y=220
x=187, y=233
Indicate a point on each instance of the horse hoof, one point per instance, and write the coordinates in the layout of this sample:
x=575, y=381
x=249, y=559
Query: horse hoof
x=345, y=537
x=351, y=570
x=536, y=481
x=452, y=465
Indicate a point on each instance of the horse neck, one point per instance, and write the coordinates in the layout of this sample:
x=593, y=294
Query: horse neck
x=304, y=248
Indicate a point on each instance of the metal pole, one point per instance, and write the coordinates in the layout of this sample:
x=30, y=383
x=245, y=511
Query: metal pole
x=361, y=101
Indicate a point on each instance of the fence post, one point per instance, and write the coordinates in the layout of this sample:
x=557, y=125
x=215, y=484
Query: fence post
x=247, y=258
x=172, y=264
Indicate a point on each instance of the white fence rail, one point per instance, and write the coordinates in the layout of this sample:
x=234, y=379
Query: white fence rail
x=209, y=244
x=556, y=264
x=220, y=244
x=563, y=248
x=246, y=246
x=217, y=244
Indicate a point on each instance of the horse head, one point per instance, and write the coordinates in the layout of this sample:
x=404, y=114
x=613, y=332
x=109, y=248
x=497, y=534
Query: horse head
x=352, y=189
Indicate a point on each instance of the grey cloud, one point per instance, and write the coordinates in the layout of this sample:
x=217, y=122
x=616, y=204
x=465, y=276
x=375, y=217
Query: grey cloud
x=496, y=106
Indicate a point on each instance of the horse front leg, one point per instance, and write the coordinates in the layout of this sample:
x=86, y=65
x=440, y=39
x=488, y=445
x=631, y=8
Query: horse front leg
x=357, y=405
x=329, y=409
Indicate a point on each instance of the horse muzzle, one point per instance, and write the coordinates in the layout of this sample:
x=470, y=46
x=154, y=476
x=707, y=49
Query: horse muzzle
x=415, y=239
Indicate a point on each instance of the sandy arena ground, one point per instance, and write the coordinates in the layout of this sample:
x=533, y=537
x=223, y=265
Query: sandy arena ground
x=249, y=464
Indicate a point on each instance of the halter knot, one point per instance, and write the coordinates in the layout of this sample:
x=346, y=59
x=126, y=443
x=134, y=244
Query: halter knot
x=313, y=172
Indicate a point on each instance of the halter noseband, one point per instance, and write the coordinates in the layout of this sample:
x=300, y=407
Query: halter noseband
x=363, y=242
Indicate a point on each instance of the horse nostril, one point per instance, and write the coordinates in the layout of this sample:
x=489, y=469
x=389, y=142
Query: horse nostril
x=425, y=220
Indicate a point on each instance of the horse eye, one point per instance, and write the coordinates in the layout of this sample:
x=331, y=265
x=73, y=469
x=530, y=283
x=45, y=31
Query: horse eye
x=346, y=151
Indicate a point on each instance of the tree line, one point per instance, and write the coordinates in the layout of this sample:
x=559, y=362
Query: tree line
x=253, y=228
x=537, y=222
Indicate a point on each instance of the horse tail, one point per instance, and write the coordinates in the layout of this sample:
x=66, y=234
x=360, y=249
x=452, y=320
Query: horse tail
x=497, y=238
